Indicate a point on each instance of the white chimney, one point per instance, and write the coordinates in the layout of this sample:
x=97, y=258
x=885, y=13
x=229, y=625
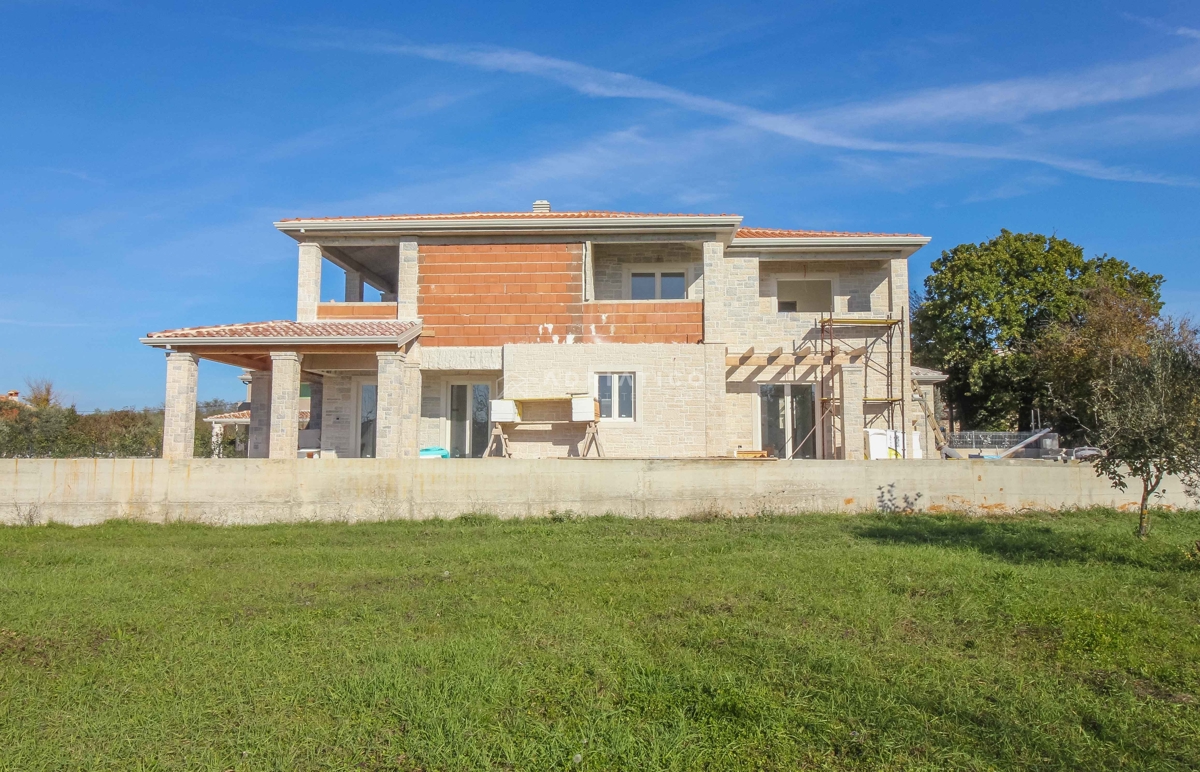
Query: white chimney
x=541, y=205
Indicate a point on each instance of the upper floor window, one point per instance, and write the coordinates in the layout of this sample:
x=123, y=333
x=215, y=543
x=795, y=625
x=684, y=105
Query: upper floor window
x=616, y=394
x=658, y=285
x=811, y=296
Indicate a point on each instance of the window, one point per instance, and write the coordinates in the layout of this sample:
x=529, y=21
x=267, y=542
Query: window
x=648, y=284
x=642, y=286
x=616, y=394
x=788, y=415
x=810, y=296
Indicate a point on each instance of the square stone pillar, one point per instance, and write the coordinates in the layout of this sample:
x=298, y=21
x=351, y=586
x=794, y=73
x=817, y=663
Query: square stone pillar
x=716, y=442
x=285, y=404
x=853, y=422
x=179, y=417
x=308, y=285
x=406, y=284
x=902, y=349
x=399, y=409
x=715, y=311
x=354, y=287
x=259, y=435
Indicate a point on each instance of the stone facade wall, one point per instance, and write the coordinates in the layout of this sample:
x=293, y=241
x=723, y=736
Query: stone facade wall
x=259, y=442
x=609, y=262
x=671, y=405
x=338, y=416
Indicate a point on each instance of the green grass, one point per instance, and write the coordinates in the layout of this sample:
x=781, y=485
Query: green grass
x=822, y=642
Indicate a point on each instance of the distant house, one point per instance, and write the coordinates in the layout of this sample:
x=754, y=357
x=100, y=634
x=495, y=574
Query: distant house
x=532, y=333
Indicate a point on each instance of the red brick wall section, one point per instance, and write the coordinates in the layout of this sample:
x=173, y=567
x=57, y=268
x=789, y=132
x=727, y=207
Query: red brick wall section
x=671, y=321
x=492, y=294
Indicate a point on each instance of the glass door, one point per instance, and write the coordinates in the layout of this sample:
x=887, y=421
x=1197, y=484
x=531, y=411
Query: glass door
x=801, y=406
x=469, y=426
x=773, y=411
x=787, y=417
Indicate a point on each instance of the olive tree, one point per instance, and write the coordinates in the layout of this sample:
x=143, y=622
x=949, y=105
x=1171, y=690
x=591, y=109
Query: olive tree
x=1146, y=408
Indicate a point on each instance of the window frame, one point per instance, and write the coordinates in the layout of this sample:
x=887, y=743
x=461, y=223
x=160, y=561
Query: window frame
x=690, y=280
x=446, y=419
x=637, y=397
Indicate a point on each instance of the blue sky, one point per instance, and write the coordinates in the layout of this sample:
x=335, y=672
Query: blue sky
x=145, y=150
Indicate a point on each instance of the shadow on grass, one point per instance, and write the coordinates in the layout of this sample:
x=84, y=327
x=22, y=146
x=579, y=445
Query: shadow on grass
x=1021, y=542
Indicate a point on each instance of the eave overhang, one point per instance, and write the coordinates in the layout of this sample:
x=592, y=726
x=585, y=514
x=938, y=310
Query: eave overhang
x=869, y=246
x=723, y=226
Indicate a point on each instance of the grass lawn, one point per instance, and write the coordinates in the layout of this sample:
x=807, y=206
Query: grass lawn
x=822, y=642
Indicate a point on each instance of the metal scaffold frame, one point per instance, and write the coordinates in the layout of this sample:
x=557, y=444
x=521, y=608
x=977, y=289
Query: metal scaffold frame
x=883, y=365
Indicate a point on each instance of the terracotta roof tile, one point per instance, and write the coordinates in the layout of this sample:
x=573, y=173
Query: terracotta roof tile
x=507, y=215
x=782, y=233
x=289, y=329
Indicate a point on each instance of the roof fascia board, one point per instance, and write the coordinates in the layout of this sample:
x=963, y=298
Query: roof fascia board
x=725, y=226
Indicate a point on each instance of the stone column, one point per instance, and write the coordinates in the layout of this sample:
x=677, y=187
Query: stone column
x=716, y=441
x=259, y=434
x=852, y=412
x=714, y=306
x=354, y=286
x=399, y=410
x=179, y=417
x=406, y=283
x=285, y=404
x=308, y=286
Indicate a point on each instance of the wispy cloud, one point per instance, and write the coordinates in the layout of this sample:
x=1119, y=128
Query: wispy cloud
x=830, y=128
x=1161, y=26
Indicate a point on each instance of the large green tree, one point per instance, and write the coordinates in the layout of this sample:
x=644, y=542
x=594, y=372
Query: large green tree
x=986, y=305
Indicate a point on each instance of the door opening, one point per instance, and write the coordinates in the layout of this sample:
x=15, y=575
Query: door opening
x=787, y=414
x=469, y=425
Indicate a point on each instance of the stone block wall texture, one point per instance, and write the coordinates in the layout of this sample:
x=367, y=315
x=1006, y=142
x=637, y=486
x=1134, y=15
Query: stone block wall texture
x=407, y=283
x=337, y=421
x=390, y=408
x=259, y=442
x=672, y=409
x=285, y=404
x=308, y=284
x=609, y=262
x=247, y=491
x=179, y=419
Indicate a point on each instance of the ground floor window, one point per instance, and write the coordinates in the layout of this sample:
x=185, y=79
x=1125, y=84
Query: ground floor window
x=616, y=394
x=469, y=426
x=787, y=414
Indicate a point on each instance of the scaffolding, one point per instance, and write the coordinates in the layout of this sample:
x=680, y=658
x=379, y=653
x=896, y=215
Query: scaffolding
x=834, y=332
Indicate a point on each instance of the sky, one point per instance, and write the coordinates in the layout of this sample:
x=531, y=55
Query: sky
x=145, y=149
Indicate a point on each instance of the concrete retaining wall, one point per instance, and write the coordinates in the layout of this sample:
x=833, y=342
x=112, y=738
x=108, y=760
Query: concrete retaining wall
x=230, y=491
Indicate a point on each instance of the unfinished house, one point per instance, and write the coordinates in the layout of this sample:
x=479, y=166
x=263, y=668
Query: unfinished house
x=552, y=334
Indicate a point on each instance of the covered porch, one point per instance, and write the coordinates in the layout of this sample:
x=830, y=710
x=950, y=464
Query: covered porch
x=280, y=356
